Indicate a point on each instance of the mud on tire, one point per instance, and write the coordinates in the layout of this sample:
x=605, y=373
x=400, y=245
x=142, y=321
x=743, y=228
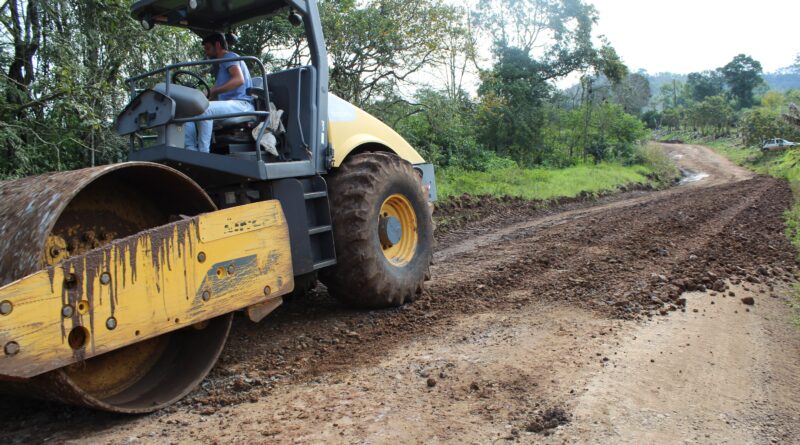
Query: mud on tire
x=364, y=276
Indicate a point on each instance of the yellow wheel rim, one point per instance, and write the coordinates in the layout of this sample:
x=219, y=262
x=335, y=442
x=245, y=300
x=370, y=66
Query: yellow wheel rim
x=397, y=230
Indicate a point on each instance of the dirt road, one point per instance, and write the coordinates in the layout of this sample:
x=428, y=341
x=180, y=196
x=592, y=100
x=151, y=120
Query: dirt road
x=617, y=321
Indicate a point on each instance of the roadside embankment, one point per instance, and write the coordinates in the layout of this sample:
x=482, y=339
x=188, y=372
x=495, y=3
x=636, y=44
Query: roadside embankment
x=477, y=196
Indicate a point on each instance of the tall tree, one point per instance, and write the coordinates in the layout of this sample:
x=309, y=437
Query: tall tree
x=743, y=74
x=23, y=25
x=633, y=93
x=62, y=79
x=511, y=116
x=671, y=94
x=374, y=47
x=459, y=58
x=714, y=112
x=557, y=33
x=377, y=46
x=705, y=84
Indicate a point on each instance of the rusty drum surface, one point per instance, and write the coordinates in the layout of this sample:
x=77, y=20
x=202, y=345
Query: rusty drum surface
x=47, y=218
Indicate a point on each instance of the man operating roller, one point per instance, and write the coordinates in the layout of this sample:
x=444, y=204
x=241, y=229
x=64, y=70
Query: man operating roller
x=228, y=96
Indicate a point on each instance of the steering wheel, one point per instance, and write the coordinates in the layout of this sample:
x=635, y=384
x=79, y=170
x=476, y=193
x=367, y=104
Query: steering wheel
x=194, y=81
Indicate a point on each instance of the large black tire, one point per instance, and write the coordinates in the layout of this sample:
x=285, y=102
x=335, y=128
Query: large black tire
x=364, y=277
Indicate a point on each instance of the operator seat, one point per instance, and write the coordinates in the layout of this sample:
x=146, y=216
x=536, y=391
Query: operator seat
x=232, y=123
x=235, y=134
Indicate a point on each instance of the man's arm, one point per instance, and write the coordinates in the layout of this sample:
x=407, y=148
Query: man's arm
x=236, y=80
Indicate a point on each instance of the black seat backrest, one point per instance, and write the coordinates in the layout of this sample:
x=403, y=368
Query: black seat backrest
x=293, y=92
x=257, y=92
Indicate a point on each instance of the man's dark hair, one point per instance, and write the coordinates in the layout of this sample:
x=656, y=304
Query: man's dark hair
x=216, y=38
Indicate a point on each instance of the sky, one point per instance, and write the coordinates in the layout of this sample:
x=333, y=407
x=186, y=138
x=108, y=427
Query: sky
x=683, y=36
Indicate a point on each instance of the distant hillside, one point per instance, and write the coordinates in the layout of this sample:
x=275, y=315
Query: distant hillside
x=780, y=81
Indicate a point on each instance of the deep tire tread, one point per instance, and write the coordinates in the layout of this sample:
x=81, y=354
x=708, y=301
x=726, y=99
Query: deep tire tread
x=363, y=277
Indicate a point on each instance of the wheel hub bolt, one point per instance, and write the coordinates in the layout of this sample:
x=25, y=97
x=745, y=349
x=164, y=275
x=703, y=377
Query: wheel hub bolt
x=67, y=311
x=6, y=307
x=11, y=348
x=201, y=257
x=206, y=295
x=105, y=278
x=111, y=324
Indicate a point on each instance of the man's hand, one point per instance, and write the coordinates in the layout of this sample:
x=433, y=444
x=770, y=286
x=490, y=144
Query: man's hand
x=213, y=93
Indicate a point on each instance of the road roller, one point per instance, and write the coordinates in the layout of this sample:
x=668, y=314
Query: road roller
x=120, y=282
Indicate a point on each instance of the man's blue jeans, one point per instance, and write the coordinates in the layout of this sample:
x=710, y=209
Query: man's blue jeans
x=198, y=134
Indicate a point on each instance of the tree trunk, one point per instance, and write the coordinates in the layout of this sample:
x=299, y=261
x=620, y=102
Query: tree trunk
x=26, y=33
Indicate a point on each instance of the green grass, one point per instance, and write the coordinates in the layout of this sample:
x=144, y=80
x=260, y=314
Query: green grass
x=744, y=156
x=545, y=184
x=540, y=183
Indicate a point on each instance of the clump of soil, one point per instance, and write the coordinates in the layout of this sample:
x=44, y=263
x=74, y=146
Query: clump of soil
x=549, y=419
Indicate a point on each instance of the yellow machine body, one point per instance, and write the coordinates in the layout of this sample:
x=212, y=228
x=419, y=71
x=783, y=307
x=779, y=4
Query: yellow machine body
x=352, y=128
x=143, y=286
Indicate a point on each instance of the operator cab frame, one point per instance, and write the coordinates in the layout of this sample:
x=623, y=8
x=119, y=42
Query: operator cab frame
x=302, y=94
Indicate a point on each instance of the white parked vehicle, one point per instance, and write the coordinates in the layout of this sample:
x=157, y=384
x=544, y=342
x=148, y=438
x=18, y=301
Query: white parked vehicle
x=777, y=144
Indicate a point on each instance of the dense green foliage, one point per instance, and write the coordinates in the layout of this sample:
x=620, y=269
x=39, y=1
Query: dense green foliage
x=742, y=75
x=715, y=116
x=729, y=101
x=511, y=117
x=61, y=81
x=763, y=123
x=705, y=84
